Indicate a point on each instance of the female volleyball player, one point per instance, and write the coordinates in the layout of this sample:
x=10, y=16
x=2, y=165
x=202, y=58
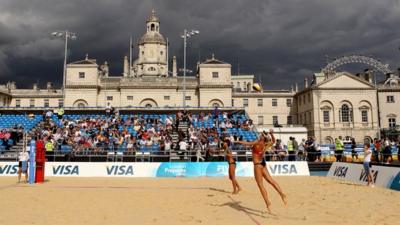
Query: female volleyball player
x=232, y=166
x=260, y=170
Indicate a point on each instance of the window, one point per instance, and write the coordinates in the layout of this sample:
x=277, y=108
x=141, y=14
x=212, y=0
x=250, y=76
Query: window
x=148, y=105
x=345, y=113
x=188, y=98
x=245, y=102
x=215, y=104
x=46, y=103
x=233, y=102
x=301, y=118
x=392, y=122
x=151, y=69
x=142, y=52
x=325, y=114
x=289, y=102
x=260, y=102
x=299, y=100
x=274, y=102
x=364, y=116
x=390, y=99
x=60, y=103
x=167, y=97
x=309, y=98
x=244, y=86
x=238, y=85
x=81, y=105
x=32, y=103
x=215, y=74
x=17, y=103
x=304, y=100
x=275, y=120
x=81, y=75
x=161, y=53
x=109, y=98
x=260, y=120
x=129, y=98
x=152, y=26
x=289, y=120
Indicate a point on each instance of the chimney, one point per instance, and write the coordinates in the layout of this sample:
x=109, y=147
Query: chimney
x=368, y=75
x=12, y=85
x=126, y=66
x=35, y=87
x=296, y=87
x=105, y=69
x=174, y=68
x=305, y=83
x=49, y=86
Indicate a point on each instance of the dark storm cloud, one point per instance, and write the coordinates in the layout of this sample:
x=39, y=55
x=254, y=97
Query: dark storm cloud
x=278, y=41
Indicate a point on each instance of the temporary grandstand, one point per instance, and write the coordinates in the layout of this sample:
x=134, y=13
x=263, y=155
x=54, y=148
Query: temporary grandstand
x=118, y=137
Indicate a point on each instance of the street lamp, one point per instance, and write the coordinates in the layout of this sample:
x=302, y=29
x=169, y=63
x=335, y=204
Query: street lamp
x=186, y=34
x=67, y=35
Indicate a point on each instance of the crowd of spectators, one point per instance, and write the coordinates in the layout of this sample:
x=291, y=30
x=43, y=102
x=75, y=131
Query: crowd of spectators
x=10, y=136
x=131, y=133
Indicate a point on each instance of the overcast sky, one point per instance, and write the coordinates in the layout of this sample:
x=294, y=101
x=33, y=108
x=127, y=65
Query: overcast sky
x=279, y=42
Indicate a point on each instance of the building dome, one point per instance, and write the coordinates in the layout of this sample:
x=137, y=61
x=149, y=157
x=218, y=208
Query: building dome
x=153, y=17
x=152, y=37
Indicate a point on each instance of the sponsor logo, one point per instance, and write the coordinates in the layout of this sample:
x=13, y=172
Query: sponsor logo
x=396, y=182
x=66, y=170
x=340, y=171
x=8, y=169
x=177, y=171
x=120, y=170
x=283, y=169
x=364, y=178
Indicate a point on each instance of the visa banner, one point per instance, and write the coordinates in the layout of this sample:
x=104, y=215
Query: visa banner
x=164, y=169
x=383, y=176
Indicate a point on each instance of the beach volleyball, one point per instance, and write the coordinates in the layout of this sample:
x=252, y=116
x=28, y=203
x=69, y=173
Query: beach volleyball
x=257, y=87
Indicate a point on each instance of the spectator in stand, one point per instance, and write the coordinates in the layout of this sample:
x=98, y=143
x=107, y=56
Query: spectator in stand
x=354, y=153
x=377, y=150
x=339, y=149
x=387, y=151
x=398, y=148
x=216, y=112
x=291, y=149
x=280, y=150
x=317, y=150
x=310, y=150
x=108, y=109
x=301, y=150
x=49, y=114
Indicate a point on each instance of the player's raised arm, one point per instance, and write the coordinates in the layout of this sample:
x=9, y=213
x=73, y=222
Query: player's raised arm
x=271, y=132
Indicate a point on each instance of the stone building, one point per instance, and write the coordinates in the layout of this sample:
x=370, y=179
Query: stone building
x=343, y=104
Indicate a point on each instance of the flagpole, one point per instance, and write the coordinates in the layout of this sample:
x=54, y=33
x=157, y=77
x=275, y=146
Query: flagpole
x=130, y=56
x=167, y=56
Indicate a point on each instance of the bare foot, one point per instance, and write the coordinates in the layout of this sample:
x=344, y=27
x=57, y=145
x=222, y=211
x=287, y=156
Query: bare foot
x=269, y=208
x=284, y=199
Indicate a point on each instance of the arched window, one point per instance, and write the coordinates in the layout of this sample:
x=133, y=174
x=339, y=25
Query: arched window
x=345, y=113
x=148, y=105
x=81, y=105
x=151, y=69
x=215, y=104
x=152, y=27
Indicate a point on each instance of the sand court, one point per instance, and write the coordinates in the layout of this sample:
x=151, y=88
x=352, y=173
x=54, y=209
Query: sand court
x=312, y=200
